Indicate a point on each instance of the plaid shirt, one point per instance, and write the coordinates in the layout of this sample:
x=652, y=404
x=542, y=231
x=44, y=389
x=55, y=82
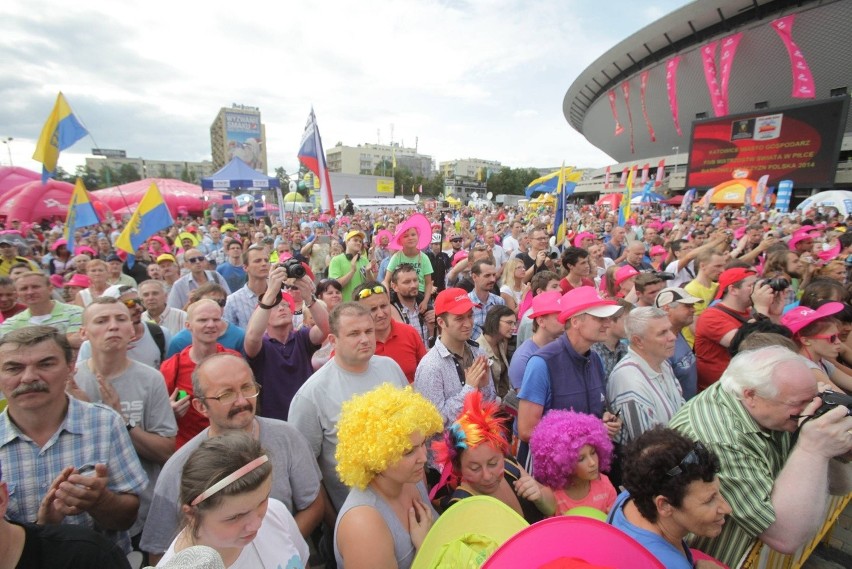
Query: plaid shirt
x=91, y=433
x=480, y=310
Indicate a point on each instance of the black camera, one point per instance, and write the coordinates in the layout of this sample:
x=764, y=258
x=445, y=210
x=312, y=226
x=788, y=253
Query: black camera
x=830, y=400
x=666, y=276
x=777, y=284
x=294, y=268
x=553, y=255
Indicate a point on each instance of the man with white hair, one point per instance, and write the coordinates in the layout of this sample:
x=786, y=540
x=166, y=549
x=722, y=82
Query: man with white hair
x=777, y=487
x=154, y=295
x=642, y=387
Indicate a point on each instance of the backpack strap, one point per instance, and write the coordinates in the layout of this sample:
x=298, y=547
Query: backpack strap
x=159, y=338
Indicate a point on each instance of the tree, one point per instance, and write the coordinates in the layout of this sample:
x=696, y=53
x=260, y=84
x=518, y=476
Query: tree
x=108, y=177
x=128, y=173
x=89, y=176
x=383, y=168
x=511, y=181
x=62, y=176
x=283, y=178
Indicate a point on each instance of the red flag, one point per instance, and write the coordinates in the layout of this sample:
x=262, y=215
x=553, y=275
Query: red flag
x=643, y=83
x=671, y=89
x=606, y=178
x=623, y=178
x=618, y=128
x=661, y=173
x=803, y=80
x=646, y=173
x=625, y=90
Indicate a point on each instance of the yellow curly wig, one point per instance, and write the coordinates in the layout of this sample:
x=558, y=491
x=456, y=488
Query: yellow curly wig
x=375, y=430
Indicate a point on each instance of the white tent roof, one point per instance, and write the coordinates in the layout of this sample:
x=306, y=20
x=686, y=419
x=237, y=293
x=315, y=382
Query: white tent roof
x=376, y=203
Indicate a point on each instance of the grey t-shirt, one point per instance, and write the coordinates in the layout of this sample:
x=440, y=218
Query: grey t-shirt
x=315, y=411
x=142, y=391
x=295, y=480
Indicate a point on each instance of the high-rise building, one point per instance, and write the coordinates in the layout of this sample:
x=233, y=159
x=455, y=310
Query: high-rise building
x=237, y=131
x=377, y=159
x=469, y=169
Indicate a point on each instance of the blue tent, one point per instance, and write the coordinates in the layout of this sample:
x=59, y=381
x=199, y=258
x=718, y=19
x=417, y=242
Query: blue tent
x=237, y=175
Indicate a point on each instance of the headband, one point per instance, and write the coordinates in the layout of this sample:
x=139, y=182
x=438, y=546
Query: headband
x=233, y=477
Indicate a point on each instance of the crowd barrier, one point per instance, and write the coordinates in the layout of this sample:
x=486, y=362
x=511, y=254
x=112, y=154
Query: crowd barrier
x=762, y=557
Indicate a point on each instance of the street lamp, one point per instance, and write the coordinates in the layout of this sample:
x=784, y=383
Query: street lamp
x=676, y=151
x=7, y=142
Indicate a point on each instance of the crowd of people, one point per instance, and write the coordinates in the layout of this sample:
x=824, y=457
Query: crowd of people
x=317, y=391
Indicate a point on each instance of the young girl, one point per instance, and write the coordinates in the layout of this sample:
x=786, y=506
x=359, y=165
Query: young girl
x=569, y=451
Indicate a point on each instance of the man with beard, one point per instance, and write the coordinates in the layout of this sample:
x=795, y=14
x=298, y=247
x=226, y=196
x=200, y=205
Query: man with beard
x=394, y=339
x=354, y=369
x=205, y=324
x=455, y=366
x=226, y=394
x=484, y=277
x=279, y=354
x=133, y=390
x=406, y=300
x=72, y=462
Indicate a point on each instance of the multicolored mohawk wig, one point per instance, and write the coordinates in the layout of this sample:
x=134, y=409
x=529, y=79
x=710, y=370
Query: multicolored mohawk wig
x=477, y=424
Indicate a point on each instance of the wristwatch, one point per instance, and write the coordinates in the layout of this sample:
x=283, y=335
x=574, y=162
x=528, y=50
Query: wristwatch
x=131, y=424
x=313, y=301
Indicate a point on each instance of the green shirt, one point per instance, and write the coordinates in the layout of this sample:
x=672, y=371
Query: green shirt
x=340, y=266
x=751, y=459
x=421, y=264
x=67, y=318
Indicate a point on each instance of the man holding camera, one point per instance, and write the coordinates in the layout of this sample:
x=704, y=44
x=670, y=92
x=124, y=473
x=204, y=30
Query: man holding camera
x=242, y=303
x=742, y=298
x=778, y=489
x=280, y=356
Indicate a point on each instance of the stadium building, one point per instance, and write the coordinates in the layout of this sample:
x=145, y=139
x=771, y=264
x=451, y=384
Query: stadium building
x=765, y=82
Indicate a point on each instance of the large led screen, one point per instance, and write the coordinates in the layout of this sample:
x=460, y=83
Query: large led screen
x=799, y=143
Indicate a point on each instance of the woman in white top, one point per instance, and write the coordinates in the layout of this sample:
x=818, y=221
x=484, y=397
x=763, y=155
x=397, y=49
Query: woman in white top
x=513, y=288
x=224, y=493
x=98, y=272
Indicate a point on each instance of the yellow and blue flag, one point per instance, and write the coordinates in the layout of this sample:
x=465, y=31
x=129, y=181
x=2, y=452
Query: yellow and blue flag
x=61, y=130
x=151, y=216
x=547, y=183
x=81, y=213
x=624, y=211
x=567, y=183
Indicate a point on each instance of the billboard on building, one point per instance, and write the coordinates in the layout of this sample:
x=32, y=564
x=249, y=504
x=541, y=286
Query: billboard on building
x=799, y=143
x=243, y=139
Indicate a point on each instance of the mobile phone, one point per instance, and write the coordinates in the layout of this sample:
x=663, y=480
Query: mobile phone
x=86, y=470
x=181, y=394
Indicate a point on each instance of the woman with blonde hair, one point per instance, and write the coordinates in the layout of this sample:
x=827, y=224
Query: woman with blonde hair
x=513, y=288
x=835, y=270
x=381, y=456
x=98, y=273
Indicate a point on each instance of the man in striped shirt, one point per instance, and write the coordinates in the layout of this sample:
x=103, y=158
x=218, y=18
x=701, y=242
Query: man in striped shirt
x=778, y=490
x=642, y=387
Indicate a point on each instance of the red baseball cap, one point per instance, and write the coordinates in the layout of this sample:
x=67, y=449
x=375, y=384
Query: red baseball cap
x=732, y=276
x=454, y=301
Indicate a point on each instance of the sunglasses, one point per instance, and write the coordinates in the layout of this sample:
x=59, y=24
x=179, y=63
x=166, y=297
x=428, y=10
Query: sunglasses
x=691, y=458
x=368, y=292
x=194, y=260
x=291, y=287
x=832, y=338
x=456, y=240
x=132, y=303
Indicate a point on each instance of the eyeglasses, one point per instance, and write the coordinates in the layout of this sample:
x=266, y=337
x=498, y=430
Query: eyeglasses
x=248, y=391
x=368, y=292
x=510, y=322
x=132, y=303
x=691, y=458
x=194, y=260
x=832, y=338
x=456, y=240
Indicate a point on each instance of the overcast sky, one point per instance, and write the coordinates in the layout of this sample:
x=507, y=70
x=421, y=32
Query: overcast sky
x=480, y=79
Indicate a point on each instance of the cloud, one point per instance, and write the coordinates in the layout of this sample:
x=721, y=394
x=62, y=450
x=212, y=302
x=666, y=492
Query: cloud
x=474, y=78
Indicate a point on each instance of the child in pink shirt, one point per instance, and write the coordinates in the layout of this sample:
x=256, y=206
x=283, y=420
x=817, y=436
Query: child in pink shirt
x=569, y=451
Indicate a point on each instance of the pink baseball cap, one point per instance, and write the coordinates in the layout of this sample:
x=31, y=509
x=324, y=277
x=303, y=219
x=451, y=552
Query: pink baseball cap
x=801, y=316
x=546, y=303
x=578, y=240
x=77, y=280
x=658, y=250
x=585, y=300
x=624, y=273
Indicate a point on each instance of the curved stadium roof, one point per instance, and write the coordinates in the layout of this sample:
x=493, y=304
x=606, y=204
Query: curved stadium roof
x=760, y=72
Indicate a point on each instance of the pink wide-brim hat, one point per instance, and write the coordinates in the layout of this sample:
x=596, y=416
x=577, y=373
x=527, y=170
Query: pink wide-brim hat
x=419, y=222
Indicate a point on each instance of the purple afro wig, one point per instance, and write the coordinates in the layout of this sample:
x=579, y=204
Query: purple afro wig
x=556, y=442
